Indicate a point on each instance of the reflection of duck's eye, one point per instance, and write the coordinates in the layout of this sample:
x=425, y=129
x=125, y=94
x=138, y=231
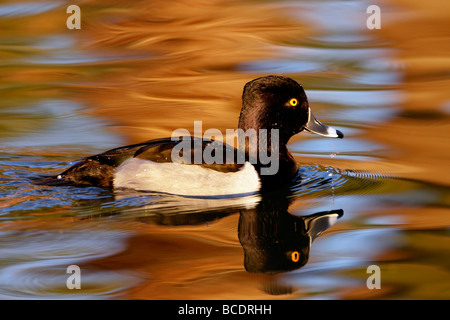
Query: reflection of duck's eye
x=293, y=102
x=295, y=256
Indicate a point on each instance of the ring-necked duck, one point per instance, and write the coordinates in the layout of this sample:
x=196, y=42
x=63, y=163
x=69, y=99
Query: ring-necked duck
x=274, y=103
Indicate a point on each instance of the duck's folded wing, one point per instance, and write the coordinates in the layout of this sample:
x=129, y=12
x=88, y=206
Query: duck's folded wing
x=98, y=170
x=205, y=153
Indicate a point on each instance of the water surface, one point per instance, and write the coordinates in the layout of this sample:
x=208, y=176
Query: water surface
x=138, y=71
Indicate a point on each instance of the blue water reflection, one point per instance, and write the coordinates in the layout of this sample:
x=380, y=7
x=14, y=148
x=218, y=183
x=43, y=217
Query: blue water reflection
x=65, y=125
x=22, y=9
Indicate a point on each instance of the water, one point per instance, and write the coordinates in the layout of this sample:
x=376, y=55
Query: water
x=136, y=72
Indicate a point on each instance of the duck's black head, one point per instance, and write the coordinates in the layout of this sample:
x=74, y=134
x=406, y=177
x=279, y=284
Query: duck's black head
x=276, y=102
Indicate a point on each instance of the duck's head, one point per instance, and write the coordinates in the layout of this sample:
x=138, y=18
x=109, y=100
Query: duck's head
x=276, y=102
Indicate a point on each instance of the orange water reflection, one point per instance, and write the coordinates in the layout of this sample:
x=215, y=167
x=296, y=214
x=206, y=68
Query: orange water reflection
x=161, y=65
x=193, y=50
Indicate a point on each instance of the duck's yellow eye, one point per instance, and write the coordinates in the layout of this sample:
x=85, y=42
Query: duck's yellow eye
x=295, y=256
x=293, y=102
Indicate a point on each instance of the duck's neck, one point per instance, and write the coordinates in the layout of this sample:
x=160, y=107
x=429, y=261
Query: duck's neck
x=268, y=152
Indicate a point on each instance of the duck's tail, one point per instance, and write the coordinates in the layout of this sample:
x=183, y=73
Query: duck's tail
x=87, y=172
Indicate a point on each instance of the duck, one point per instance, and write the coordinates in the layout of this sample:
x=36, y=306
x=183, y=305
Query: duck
x=274, y=108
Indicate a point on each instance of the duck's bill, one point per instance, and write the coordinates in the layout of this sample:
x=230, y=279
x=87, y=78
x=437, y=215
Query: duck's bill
x=321, y=221
x=315, y=126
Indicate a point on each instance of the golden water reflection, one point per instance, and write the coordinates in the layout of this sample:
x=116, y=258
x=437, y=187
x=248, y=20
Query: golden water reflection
x=147, y=68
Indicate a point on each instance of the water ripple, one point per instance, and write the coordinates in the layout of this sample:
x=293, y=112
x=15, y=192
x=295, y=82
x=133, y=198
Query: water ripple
x=34, y=263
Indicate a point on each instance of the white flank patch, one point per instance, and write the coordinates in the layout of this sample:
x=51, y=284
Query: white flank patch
x=184, y=179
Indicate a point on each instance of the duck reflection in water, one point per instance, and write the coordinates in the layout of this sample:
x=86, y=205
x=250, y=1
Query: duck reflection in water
x=276, y=241
x=273, y=239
